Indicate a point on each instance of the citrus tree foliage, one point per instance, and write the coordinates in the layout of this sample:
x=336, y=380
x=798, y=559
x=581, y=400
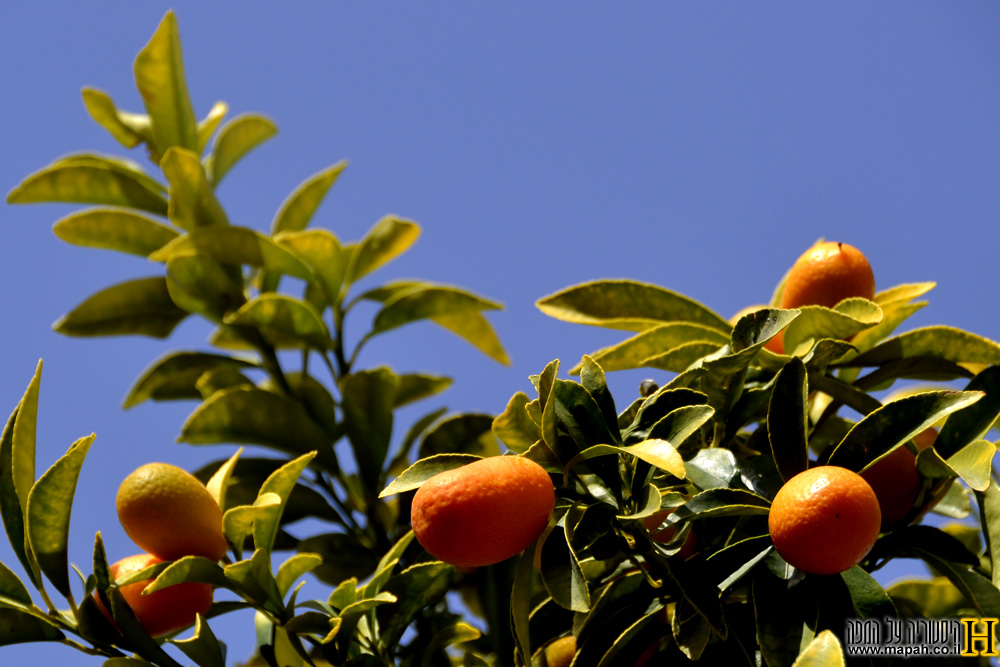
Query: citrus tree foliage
x=706, y=445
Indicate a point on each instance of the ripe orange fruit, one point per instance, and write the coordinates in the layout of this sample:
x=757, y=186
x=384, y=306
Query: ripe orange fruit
x=664, y=536
x=165, y=611
x=484, y=512
x=825, y=275
x=560, y=652
x=895, y=480
x=824, y=520
x=169, y=513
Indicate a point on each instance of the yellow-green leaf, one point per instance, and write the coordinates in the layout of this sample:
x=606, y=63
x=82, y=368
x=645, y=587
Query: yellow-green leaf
x=237, y=522
x=218, y=484
x=203, y=647
x=208, y=124
x=936, y=341
x=114, y=229
x=814, y=322
x=321, y=250
x=631, y=353
x=823, y=651
x=281, y=482
x=129, y=129
x=388, y=238
x=283, y=321
x=627, y=304
x=192, y=200
x=159, y=76
x=661, y=454
x=428, y=301
x=474, y=328
x=300, y=206
x=175, y=376
x=23, y=450
x=295, y=567
x=200, y=284
x=237, y=138
x=236, y=245
x=48, y=513
x=142, y=306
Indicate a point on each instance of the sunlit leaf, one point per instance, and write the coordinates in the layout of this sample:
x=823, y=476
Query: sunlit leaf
x=823, y=651
x=281, y=483
x=626, y=304
x=10, y=507
x=128, y=129
x=174, y=376
x=48, y=511
x=237, y=138
x=321, y=250
x=238, y=521
x=159, y=76
x=203, y=647
x=514, y=427
x=114, y=229
x=416, y=386
x=23, y=442
x=283, y=321
x=218, y=485
x=236, y=245
x=297, y=211
x=192, y=199
x=659, y=453
x=652, y=342
x=91, y=179
x=414, y=476
x=814, y=322
x=254, y=579
x=937, y=341
x=295, y=567
x=427, y=302
x=681, y=357
x=388, y=238
x=207, y=125
x=474, y=328
x=973, y=423
x=142, y=306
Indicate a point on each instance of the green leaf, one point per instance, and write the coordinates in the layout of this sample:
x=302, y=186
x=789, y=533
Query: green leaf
x=937, y=341
x=236, y=245
x=237, y=138
x=421, y=471
x=989, y=513
x=464, y=433
x=113, y=229
x=721, y=502
x=680, y=424
x=254, y=579
x=23, y=443
x=658, y=406
x=682, y=357
x=868, y=597
x=19, y=627
x=48, y=511
x=823, y=651
x=281, y=483
x=159, y=76
x=174, y=376
x=135, y=307
x=255, y=416
x=475, y=329
x=938, y=597
x=208, y=124
x=514, y=427
x=561, y=573
x=367, y=403
x=626, y=304
x=977, y=589
x=414, y=589
x=760, y=326
x=659, y=453
x=192, y=199
x=237, y=522
x=788, y=420
x=283, y=321
x=10, y=507
x=974, y=463
x=653, y=342
x=199, y=284
x=344, y=556
x=300, y=206
x=425, y=302
x=128, y=129
x=520, y=604
x=894, y=424
x=189, y=569
x=974, y=422
x=218, y=484
x=295, y=567
x=416, y=386
x=12, y=588
x=203, y=648
x=321, y=250
x=815, y=322
x=388, y=238
x=88, y=179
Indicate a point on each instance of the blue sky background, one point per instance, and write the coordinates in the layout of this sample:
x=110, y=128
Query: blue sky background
x=698, y=146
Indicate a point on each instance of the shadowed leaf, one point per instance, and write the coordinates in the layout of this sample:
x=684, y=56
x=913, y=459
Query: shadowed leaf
x=142, y=307
x=175, y=375
x=19, y=627
x=203, y=647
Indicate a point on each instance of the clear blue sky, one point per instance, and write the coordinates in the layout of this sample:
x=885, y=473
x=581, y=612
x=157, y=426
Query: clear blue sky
x=698, y=146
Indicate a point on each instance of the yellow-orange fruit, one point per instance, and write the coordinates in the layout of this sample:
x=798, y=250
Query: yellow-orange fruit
x=895, y=480
x=165, y=611
x=169, y=513
x=560, y=652
x=484, y=512
x=824, y=520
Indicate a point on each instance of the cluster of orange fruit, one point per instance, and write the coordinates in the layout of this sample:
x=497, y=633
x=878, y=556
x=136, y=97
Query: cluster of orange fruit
x=826, y=519
x=169, y=514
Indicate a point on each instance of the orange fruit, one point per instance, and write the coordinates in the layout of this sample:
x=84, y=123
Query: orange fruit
x=664, y=536
x=560, y=652
x=484, y=512
x=895, y=480
x=824, y=520
x=169, y=513
x=825, y=275
x=165, y=611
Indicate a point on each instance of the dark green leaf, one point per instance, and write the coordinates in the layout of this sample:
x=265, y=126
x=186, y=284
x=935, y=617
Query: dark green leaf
x=414, y=588
x=722, y=502
x=416, y=386
x=142, y=306
x=128, y=129
x=595, y=382
x=712, y=468
x=785, y=616
x=186, y=570
x=175, y=375
x=12, y=588
x=296, y=211
x=19, y=627
x=114, y=229
x=787, y=419
x=199, y=284
x=48, y=511
x=237, y=138
x=256, y=416
x=870, y=601
x=629, y=305
x=192, y=199
x=561, y=573
x=388, y=238
x=253, y=579
x=414, y=476
x=344, y=556
x=989, y=514
x=977, y=589
x=203, y=648
x=159, y=76
x=283, y=321
x=896, y=423
x=465, y=433
x=658, y=406
x=520, y=604
x=367, y=402
x=90, y=182
x=682, y=357
x=581, y=415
